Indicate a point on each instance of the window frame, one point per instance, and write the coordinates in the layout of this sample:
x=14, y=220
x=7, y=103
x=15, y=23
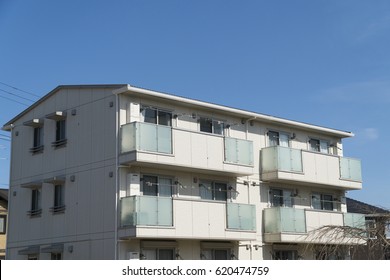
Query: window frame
x=210, y=254
x=55, y=256
x=36, y=202
x=277, y=135
x=319, y=147
x=283, y=253
x=157, y=187
x=213, y=193
x=60, y=133
x=157, y=251
x=59, y=199
x=322, y=202
x=282, y=198
x=212, y=125
x=38, y=137
x=159, y=115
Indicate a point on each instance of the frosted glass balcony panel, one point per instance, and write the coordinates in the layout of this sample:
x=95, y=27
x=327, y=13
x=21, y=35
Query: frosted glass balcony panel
x=241, y=216
x=279, y=158
x=128, y=211
x=269, y=160
x=146, y=137
x=146, y=210
x=284, y=219
x=350, y=169
x=355, y=220
x=128, y=141
x=238, y=151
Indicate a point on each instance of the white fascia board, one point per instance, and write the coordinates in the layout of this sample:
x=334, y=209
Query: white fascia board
x=243, y=113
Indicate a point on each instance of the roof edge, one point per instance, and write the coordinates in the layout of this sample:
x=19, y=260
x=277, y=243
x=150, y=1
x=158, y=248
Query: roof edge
x=8, y=126
x=250, y=115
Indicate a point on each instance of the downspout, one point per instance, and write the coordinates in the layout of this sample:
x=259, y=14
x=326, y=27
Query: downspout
x=9, y=193
x=117, y=173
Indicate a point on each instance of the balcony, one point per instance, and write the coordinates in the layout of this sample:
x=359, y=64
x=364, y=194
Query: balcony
x=241, y=216
x=173, y=148
x=283, y=164
x=146, y=211
x=165, y=217
x=238, y=151
x=146, y=137
x=284, y=224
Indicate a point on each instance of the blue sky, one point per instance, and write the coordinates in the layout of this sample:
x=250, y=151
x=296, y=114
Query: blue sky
x=322, y=62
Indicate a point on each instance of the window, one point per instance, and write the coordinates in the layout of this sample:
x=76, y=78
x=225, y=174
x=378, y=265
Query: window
x=33, y=257
x=285, y=255
x=278, y=139
x=60, y=130
x=281, y=198
x=211, y=126
x=60, y=139
x=215, y=254
x=59, y=199
x=38, y=139
x=158, y=254
x=322, y=202
x=371, y=228
x=320, y=146
x=3, y=224
x=157, y=186
x=156, y=116
x=213, y=190
x=36, y=209
x=56, y=256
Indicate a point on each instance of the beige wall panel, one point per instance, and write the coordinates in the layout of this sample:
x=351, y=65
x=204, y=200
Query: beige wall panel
x=181, y=148
x=183, y=213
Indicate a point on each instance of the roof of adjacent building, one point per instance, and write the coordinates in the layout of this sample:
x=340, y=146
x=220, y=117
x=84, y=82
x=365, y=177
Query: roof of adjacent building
x=126, y=88
x=356, y=206
x=4, y=198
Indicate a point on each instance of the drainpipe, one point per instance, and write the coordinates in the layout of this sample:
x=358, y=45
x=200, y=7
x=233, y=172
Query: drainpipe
x=246, y=126
x=11, y=126
x=117, y=174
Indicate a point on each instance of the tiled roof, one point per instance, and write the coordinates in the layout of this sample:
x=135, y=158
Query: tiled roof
x=355, y=206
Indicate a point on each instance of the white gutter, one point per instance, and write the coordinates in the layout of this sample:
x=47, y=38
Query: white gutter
x=247, y=114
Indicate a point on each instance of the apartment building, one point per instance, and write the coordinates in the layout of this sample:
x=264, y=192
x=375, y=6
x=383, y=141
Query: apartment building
x=3, y=221
x=121, y=172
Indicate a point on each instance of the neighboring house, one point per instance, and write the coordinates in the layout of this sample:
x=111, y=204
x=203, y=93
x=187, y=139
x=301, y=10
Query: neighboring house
x=3, y=221
x=377, y=231
x=120, y=172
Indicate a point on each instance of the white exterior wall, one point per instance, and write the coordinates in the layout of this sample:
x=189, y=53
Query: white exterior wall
x=88, y=223
x=87, y=228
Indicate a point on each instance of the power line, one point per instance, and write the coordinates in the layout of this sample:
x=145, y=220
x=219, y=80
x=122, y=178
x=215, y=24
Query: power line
x=19, y=89
x=14, y=100
x=5, y=139
x=17, y=95
x=4, y=135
